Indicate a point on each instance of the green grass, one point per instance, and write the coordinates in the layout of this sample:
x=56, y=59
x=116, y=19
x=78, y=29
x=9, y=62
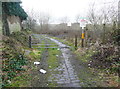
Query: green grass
x=1, y=49
x=53, y=61
x=35, y=54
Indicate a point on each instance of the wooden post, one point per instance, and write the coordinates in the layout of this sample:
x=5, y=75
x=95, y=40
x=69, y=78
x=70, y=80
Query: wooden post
x=76, y=42
x=82, y=44
x=86, y=36
x=103, y=33
x=30, y=42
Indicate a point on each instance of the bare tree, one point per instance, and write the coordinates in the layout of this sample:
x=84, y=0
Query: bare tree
x=64, y=20
x=103, y=21
x=63, y=23
x=77, y=18
x=31, y=20
x=43, y=19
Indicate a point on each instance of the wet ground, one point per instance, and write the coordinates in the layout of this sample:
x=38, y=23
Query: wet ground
x=68, y=77
x=69, y=73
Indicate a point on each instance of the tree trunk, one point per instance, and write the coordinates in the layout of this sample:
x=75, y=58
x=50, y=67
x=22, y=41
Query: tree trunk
x=21, y=25
x=5, y=29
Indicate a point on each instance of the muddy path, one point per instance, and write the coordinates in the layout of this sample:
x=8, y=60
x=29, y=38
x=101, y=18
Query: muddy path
x=69, y=71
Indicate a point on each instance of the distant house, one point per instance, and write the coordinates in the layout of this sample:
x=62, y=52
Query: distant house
x=65, y=26
x=75, y=26
x=12, y=16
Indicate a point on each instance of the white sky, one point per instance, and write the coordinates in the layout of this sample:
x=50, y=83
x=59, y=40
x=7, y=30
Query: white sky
x=61, y=8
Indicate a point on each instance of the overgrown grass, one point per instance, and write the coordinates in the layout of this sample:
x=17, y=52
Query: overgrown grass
x=85, y=55
x=14, y=55
x=24, y=79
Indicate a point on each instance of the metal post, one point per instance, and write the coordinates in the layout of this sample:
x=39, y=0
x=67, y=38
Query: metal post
x=30, y=42
x=83, y=36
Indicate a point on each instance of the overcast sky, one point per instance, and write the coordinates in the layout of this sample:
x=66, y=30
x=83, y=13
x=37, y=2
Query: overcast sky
x=61, y=8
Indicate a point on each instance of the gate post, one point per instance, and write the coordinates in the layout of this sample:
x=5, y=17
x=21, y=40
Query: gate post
x=29, y=41
x=75, y=42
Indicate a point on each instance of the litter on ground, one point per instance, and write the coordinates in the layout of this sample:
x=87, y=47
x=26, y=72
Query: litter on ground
x=43, y=71
x=36, y=63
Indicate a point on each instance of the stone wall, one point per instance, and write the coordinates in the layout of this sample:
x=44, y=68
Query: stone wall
x=14, y=23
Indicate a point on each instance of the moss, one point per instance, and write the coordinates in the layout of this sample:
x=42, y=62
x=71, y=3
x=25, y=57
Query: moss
x=52, y=61
x=52, y=85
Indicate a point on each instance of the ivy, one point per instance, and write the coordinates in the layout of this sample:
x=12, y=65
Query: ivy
x=16, y=63
x=13, y=66
x=14, y=8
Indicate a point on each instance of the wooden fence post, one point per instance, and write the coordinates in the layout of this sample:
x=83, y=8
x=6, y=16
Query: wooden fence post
x=86, y=37
x=104, y=33
x=75, y=41
x=30, y=42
